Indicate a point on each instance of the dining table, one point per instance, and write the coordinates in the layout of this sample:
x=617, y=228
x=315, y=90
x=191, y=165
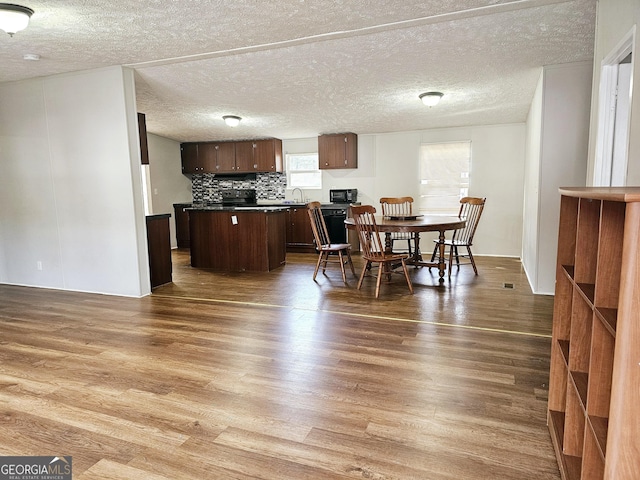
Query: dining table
x=417, y=224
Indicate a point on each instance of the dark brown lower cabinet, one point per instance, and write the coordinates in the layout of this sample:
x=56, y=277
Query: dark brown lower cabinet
x=159, y=245
x=299, y=233
x=182, y=224
x=236, y=241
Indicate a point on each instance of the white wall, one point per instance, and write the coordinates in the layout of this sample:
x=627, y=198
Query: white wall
x=363, y=176
x=70, y=188
x=532, y=185
x=388, y=166
x=563, y=136
x=168, y=184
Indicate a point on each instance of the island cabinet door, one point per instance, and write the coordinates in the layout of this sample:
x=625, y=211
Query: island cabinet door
x=251, y=237
x=211, y=238
x=277, y=238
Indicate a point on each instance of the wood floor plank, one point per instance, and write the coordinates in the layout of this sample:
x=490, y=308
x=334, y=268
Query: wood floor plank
x=274, y=376
x=43, y=434
x=108, y=470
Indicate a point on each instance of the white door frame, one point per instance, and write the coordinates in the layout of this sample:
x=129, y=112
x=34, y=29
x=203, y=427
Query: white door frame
x=620, y=155
x=607, y=110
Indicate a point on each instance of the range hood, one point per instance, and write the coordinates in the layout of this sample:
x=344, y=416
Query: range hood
x=235, y=176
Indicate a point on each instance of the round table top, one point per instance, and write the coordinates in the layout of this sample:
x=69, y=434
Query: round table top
x=422, y=223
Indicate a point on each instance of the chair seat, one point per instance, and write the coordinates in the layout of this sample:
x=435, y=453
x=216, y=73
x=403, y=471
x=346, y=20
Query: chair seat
x=334, y=247
x=455, y=243
x=385, y=257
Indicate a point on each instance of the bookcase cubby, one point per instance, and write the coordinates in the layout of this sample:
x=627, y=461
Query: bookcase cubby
x=594, y=385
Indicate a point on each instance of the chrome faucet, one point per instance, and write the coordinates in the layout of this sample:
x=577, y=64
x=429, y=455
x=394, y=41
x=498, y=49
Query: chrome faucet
x=293, y=193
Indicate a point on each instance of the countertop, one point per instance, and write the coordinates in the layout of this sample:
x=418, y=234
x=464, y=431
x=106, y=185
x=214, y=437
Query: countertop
x=158, y=216
x=229, y=208
x=260, y=205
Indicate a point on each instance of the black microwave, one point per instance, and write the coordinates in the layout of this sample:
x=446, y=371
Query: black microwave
x=346, y=195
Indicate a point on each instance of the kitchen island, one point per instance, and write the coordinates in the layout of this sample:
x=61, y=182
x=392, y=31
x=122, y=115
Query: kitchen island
x=235, y=239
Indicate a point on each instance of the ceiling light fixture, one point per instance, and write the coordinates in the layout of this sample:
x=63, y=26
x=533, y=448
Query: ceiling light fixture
x=431, y=99
x=231, y=120
x=14, y=18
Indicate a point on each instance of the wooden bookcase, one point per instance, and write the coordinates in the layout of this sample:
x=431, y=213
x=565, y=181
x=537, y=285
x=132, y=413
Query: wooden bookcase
x=594, y=386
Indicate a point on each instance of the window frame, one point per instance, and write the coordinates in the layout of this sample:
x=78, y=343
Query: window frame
x=316, y=171
x=462, y=184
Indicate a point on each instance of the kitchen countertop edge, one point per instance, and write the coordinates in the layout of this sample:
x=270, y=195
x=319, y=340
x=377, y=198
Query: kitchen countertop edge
x=230, y=208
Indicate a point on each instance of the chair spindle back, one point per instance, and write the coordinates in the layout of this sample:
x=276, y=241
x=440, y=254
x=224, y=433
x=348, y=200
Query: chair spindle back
x=370, y=241
x=396, y=206
x=319, y=227
x=471, y=210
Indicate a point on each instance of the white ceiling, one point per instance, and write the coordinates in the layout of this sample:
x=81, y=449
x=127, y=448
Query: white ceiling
x=299, y=68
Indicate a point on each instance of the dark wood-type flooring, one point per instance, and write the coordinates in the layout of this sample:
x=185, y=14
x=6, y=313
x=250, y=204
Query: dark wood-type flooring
x=273, y=376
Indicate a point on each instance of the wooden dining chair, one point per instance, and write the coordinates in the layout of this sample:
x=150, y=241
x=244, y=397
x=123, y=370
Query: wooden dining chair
x=373, y=251
x=326, y=250
x=399, y=207
x=470, y=210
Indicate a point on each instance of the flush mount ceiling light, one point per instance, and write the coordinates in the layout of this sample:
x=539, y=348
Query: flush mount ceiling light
x=431, y=99
x=14, y=18
x=231, y=120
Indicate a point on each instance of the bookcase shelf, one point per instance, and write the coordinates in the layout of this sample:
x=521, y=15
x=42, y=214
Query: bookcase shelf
x=595, y=359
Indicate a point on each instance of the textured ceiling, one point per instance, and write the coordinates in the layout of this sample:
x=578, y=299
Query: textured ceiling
x=299, y=68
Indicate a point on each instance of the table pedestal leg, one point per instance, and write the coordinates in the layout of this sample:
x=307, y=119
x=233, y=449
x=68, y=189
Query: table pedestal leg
x=417, y=256
x=387, y=242
x=441, y=262
x=388, y=248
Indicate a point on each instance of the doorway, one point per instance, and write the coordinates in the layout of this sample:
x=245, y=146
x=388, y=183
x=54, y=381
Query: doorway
x=614, y=115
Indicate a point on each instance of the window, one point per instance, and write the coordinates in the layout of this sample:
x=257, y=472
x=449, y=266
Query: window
x=444, y=176
x=303, y=170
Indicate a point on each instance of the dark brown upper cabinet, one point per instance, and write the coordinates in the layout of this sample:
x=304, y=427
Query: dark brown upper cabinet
x=338, y=150
x=217, y=157
x=190, y=160
x=232, y=157
x=142, y=133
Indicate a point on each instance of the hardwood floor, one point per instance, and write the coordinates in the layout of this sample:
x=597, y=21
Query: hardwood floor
x=273, y=376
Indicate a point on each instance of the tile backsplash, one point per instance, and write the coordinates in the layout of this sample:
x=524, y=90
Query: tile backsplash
x=206, y=187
